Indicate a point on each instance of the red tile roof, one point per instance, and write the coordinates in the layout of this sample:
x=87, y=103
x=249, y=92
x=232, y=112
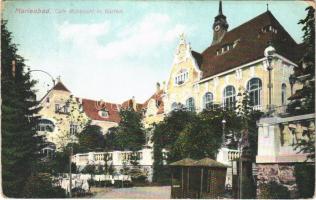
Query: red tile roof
x=158, y=97
x=250, y=42
x=129, y=104
x=91, y=108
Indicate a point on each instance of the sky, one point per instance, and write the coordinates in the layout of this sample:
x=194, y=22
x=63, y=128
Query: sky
x=116, y=50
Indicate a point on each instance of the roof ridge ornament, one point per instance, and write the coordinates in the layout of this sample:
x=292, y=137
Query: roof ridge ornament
x=182, y=38
x=267, y=6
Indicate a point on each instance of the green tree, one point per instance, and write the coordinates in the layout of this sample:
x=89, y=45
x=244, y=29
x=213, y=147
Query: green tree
x=110, y=139
x=303, y=101
x=91, y=139
x=129, y=135
x=305, y=179
x=247, y=118
x=40, y=186
x=273, y=190
x=165, y=134
x=67, y=137
x=20, y=143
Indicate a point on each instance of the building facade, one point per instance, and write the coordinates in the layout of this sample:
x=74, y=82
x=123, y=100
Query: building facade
x=233, y=63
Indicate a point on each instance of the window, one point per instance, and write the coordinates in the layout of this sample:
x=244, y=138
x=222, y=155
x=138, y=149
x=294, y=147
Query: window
x=45, y=125
x=208, y=100
x=182, y=76
x=73, y=128
x=65, y=109
x=269, y=28
x=57, y=108
x=229, y=97
x=254, y=88
x=190, y=104
x=174, y=106
x=104, y=113
x=283, y=94
x=47, y=100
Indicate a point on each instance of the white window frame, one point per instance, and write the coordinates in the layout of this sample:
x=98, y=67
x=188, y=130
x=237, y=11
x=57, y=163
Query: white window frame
x=181, y=77
x=208, y=101
x=73, y=128
x=283, y=94
x=229, y=101
x=256, y=91
x=190, y=105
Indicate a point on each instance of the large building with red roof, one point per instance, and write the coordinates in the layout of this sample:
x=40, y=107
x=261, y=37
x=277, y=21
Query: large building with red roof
x=55, y=110
x=233, y=63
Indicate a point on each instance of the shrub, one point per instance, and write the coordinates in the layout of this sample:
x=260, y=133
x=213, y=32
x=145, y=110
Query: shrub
x=273, y=190
x=40, y=186
x=305, y=179
x=137, y=175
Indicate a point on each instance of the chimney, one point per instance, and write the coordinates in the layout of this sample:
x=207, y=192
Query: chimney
x=58, y=78
x=134, y=103
x=13, y=68
x=157, y=87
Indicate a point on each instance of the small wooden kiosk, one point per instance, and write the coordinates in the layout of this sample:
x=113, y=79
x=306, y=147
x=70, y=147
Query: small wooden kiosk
x=180, y=179
x=204, y=178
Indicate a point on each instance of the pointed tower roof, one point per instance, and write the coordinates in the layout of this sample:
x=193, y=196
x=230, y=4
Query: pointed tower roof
x=60, y=86
x=220, y=11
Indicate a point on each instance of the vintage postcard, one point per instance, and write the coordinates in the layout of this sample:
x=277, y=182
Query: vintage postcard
x=158, y=99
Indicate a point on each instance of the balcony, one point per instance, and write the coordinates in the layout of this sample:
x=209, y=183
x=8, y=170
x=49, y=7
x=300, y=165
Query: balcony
x=280, y=111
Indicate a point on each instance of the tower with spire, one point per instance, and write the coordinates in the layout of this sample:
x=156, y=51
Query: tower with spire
x=220, y=26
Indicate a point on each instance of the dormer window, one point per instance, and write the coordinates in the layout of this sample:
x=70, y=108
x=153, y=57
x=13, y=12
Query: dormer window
x=225, y=48
x=269, y=28
x=104, y=113
x=181, y=77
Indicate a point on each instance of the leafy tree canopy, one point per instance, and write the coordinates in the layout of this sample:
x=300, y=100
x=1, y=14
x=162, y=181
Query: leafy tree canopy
x=91, y=139
x=130, y=134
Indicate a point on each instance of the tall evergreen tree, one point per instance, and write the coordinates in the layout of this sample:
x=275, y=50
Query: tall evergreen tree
x=19, y=140
x=303, y=100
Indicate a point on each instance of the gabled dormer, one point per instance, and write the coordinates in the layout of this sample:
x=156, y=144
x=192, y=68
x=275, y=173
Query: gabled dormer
x=185, y=66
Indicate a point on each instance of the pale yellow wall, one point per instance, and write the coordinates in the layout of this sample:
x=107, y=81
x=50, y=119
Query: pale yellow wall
x=61, y=135
x=192, y=88
x=105, y=125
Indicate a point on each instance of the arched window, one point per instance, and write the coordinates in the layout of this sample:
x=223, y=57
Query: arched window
x=208, y=100
x=174, y=106
x=254, y=88
x=229, y=97
x=190, y=104
x=45, y=125
x=283, y=94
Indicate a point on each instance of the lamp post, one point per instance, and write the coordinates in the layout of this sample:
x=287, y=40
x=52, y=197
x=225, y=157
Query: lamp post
x=223, y=136
x=269, y=54
x=38, y=70
x=70, y=154
x=292, y=80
